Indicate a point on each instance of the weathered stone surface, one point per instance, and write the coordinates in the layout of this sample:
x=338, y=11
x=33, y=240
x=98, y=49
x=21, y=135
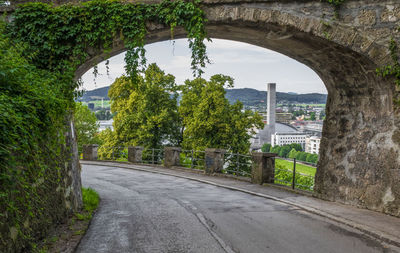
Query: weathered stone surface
x=263, y=170
x=135, y=154
x=214, y=160
x=359, y=157
x=172, y=156
x=90, y=152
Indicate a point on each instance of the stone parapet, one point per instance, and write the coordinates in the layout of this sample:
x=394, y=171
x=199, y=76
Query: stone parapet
x=263, y=170
x=90, y=152
x=135, y=154
x=214, y=160
x=172, y=156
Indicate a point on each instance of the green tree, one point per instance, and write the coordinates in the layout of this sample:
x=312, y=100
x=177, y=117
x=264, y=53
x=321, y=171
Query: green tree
x=296, y=146
x=312, y=116
x=146, y=109
x=266, y=147
x=293, y=153
x=210, y=121
x=86, y=125
x=284, y=151
x=276, y=149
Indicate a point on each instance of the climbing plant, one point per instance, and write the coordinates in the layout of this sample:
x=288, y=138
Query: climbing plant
x=60, y=37
x=392, y=70
x=40, y=50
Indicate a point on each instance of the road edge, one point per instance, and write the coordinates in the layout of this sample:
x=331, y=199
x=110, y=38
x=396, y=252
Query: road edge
x=379, y=235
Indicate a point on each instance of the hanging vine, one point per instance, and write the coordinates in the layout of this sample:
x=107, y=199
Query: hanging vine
x=40, y=51
x=62, y=35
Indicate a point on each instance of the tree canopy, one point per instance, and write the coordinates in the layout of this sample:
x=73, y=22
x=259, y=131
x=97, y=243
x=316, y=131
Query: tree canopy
x=209, y=120
x=146, y=109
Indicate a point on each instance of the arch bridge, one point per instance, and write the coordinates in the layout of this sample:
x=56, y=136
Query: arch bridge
x=359, y=157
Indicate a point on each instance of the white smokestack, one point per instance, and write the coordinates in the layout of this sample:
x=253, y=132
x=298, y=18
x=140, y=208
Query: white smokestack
x=271, y=103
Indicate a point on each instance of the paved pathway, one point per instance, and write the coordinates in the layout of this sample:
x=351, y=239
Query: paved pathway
x=148, y=212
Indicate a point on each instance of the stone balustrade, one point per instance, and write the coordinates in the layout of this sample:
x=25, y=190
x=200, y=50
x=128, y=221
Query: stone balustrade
x=263, y=168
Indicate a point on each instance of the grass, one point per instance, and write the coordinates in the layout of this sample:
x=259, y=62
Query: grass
x=97, y=103
x=301, y=168
x=91, y=201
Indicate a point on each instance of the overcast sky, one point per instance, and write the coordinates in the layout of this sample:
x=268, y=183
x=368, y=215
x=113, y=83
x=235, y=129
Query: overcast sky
x=250, y=66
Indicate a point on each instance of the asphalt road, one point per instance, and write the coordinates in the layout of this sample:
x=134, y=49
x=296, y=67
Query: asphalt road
x=148, y=212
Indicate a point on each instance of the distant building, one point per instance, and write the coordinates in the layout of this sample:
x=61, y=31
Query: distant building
x=312, y=144
x=279, y=139
x=91, y=106
x=274, y=132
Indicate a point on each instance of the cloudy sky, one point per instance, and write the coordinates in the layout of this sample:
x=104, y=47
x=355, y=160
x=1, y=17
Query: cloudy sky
x=250, y=66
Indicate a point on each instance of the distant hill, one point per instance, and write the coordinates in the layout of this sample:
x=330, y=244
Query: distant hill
x=247, y=96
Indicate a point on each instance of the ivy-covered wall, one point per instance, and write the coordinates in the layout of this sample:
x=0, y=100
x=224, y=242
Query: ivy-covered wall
x=41, y=46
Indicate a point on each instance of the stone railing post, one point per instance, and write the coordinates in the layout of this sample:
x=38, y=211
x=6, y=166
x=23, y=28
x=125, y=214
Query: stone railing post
x=135, y=154
x=263, y=170
x=172, y=156
x=90, y=152
x=214, y=160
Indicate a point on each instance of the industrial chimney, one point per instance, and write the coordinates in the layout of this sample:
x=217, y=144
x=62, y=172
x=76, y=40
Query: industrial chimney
x=271, y=103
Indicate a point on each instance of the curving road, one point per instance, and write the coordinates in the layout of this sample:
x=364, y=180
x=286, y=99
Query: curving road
x=148, y=212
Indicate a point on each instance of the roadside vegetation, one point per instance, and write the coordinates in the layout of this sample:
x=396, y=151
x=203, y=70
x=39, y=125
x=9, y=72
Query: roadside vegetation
x=65, y=237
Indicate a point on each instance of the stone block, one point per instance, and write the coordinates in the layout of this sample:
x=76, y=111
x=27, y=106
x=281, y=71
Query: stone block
x=172, y=156
x=135, y=154
x=90, y=152
x=263, y=170
x=214, y=160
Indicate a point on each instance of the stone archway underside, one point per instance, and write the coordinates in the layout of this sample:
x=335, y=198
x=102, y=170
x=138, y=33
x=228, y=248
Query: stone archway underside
x=359, y=157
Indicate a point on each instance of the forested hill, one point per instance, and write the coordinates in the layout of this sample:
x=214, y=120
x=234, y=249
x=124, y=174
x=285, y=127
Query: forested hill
x=246, y=96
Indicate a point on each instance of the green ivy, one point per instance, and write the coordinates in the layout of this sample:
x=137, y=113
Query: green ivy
x=59, y=37
x=392, y=71
x=40, y=51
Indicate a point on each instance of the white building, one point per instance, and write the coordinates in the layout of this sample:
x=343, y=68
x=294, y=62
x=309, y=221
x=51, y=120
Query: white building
x=312, y=144
x=279, y=139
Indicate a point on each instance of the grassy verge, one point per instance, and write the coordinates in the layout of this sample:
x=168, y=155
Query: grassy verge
x=90, y=203
x=66, y=236
x=301, y=168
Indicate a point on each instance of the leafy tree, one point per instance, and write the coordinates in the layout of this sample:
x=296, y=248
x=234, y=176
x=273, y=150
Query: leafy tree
x=296, y=146
x=284, y=151
x=312, y=116
x=86, y=125
x=266, y=147
x=293, y=153
x=146, y=108
x=210, y=121
x=276, y=149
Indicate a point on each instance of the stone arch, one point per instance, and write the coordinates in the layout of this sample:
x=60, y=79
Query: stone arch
x=359, y=157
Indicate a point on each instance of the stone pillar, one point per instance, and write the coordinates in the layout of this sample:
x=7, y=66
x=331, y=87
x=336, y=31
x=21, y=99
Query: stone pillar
x=90, y=152
x=214, y=160
x=135, y=154
x=172, y=156
x=263, y=168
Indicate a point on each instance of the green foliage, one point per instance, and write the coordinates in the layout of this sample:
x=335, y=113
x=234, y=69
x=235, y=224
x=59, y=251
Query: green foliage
x=91, y=200
x=392, y=71
x=33, y=111
x=292, y=153
x=146, y=109
x=284, y=151
x=210, y=121
x=60, y=36
x=266, y=147
x=40, y=51
x=312, y=116
x=285, y=177
x=336, y=3
x=85, y=125
x=301, y=168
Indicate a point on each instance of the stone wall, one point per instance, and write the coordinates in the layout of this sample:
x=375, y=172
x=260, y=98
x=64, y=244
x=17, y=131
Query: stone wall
x=359, y=157
x=55, y=200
